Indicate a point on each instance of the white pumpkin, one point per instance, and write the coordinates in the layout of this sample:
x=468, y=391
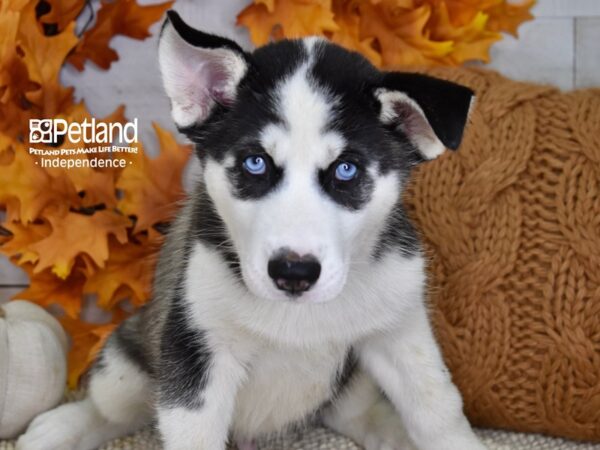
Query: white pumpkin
x=33, y=364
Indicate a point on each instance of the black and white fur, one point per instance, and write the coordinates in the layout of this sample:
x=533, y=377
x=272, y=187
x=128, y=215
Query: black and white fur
x=222, y=351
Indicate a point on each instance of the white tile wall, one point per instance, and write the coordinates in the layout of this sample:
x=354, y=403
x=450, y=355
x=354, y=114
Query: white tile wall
x=587, y=51
x=544, y=52
x=561, y=46
x=567, y=8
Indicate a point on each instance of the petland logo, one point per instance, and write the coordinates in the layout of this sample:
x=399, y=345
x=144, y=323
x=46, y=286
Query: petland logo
x=54, y=131
x=83, y=144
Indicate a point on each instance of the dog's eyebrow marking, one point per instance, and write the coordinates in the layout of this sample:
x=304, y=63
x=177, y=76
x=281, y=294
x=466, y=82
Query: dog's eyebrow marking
x=306, y=109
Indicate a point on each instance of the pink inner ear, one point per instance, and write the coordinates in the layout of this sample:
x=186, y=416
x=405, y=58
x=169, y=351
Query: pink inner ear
x=218, y=81
x=413, y=123
x=222, y=72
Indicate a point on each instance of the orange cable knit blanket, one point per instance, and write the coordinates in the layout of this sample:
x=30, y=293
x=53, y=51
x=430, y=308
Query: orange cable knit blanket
x=511, y=224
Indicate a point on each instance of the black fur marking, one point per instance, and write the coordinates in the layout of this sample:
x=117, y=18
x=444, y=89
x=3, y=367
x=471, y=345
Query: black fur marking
x=356, y=110
x=446, y=105
x=127, y=337
x=209, y=228
x=185, y=361
x=346, y=372
x=100, y=362
x=234, y=129
x=399, y=233
x=341, y=380
x=351, y=194
x=248, y=186
x=198, y=38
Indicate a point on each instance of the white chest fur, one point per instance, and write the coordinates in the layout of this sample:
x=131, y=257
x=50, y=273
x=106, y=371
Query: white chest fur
x=283, y=387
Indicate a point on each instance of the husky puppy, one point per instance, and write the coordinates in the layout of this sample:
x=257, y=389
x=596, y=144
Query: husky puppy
x=291, y=285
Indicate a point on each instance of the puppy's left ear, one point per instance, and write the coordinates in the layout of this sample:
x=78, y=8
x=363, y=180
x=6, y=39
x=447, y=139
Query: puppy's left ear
x=431, y=112
x=199, y=70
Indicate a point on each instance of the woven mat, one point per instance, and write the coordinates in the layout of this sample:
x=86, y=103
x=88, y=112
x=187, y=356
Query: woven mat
x=322, y=439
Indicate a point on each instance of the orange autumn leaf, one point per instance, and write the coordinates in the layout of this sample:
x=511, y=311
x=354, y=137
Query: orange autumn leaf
x=393, y=32
x=30, y=189
x=97, y=185
x=46, y=290
x=44, y=57
x=60, y=13
x=464, y=11
x=294, y=18
x=74, y=233
x=124, y=17
x=152, y=187
x=20, y=237
x=508, y=16
x=472, y=40
x=401, y=35
x=347, y=17
x=86, y=342
x=127, y=274
x=14, y=81
x=22, y=95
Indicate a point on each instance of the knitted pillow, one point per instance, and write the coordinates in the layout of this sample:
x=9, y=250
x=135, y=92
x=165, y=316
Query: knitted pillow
x=511, y=223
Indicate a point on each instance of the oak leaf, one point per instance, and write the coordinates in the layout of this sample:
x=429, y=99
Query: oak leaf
x=401, y=34
x=28, y=189
x=44, y=57
x=48, y=290
x=463, y=12
x=151, y=188
x=347, y=17
x=393, y=32
x=74, y=233
x=20, y=236
x=276, y=19
x=96, y=187
x=9, y=24
x=124, y=17
x=127, y=274
x=87, y=340
x=507, y=16
x=472, y=40
x=56, y=15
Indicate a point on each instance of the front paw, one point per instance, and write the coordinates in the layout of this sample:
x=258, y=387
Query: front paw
x=377, y=428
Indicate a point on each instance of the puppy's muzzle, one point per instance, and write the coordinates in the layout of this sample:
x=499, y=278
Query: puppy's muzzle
x=293, y=273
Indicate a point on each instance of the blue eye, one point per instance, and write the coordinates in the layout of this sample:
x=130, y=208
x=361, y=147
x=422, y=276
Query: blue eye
x=345, y=171
x=255, y=165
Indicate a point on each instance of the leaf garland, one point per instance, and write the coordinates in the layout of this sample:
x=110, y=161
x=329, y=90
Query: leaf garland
x=392, y=32
x=82, y=231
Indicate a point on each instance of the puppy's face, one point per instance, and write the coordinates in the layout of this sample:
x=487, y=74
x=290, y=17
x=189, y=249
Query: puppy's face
x=305, y=149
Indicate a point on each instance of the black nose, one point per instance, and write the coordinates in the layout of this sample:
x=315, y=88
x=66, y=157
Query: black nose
x=294, y=273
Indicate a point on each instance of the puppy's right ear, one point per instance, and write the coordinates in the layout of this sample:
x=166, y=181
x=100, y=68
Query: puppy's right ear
x=199, y=70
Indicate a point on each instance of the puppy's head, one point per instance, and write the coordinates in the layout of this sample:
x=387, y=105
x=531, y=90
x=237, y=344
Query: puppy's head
x=305, y=148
